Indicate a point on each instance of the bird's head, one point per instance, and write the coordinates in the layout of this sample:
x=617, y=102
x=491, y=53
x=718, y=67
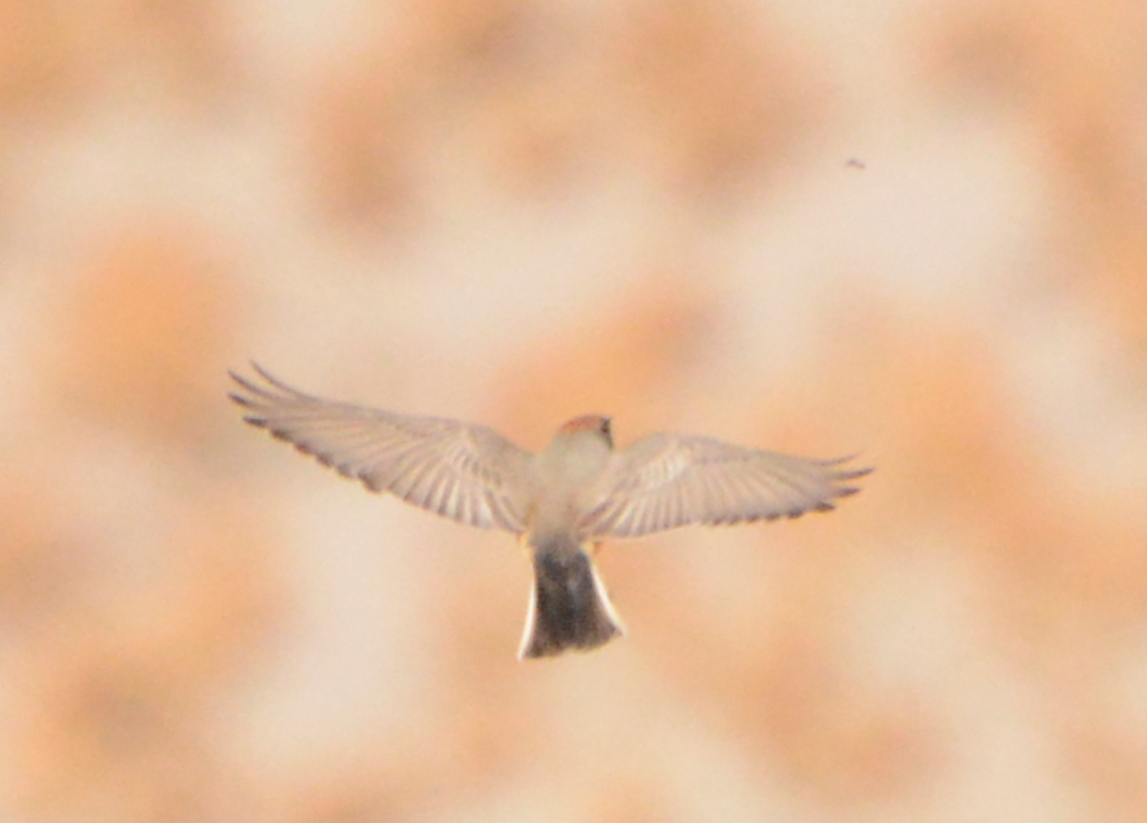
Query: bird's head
x=596, y=424
x=580, y=448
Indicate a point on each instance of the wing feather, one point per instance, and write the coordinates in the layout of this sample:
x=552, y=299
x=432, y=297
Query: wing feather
x=665, y=481
x=462, y=471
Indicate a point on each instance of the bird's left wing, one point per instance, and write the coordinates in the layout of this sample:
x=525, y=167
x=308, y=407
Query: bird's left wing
x=666, y=480
x=462, y=471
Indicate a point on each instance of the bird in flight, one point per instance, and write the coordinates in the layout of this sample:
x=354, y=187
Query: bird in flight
x=562, y=502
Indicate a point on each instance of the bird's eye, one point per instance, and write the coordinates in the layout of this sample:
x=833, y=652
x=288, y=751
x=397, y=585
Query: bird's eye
x=606, y=426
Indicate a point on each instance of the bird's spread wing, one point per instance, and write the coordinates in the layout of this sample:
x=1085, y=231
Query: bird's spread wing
x=664, y=481
x=465, y=472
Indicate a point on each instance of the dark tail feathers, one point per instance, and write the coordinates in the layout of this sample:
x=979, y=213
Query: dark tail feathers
x=569, y=608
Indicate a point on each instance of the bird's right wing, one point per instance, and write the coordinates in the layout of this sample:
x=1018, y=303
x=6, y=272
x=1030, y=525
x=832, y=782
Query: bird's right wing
x=465, y=472
x=666, y=480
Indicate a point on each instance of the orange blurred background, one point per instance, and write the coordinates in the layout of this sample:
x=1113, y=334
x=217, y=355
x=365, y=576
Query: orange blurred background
x=917, y=231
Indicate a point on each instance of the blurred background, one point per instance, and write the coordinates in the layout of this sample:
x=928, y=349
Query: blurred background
x=917, y=231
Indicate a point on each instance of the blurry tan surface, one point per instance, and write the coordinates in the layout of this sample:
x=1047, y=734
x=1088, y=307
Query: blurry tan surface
x=913, y=230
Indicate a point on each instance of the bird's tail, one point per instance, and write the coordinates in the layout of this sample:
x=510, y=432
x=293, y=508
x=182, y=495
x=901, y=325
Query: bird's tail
x=569, y=608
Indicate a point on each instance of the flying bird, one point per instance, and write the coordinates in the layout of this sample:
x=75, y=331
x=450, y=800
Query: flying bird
x=562, y=502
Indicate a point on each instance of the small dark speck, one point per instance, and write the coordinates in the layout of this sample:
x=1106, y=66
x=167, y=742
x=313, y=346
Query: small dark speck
x=855, y=163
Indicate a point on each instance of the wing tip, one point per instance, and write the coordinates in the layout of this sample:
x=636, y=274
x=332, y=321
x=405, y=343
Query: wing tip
x=272, y=384
x=848, y=458
x=254, y=392
x=241, y=400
